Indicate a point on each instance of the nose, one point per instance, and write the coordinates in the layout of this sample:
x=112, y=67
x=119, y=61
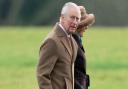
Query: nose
x=75, y=20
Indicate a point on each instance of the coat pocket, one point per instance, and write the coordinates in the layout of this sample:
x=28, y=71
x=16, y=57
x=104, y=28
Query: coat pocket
x=68, y=83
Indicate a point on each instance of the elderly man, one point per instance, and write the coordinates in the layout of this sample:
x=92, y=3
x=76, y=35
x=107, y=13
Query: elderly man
x=58, y=52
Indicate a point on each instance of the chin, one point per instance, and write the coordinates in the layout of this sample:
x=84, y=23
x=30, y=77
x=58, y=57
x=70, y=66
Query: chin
x=72, y=31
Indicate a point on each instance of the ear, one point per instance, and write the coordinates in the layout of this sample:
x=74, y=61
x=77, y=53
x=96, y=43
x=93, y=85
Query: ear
x=62, y=17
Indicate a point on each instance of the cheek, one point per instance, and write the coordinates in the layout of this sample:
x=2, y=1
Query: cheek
x=69, y=23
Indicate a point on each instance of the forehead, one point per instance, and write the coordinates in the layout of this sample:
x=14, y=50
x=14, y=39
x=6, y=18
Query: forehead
x=74, y=12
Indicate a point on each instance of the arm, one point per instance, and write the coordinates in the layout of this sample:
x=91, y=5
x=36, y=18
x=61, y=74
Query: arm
x=47, y=61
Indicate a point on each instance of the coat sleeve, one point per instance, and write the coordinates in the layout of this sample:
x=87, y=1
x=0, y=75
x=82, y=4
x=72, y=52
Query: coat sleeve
x=47, y=59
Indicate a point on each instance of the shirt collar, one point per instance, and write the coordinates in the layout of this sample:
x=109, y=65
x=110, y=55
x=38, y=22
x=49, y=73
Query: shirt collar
x=64, y=30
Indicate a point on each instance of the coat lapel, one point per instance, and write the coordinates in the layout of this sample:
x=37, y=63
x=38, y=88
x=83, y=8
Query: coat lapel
x=74, y=48
x=66, y=44
x=63, y=38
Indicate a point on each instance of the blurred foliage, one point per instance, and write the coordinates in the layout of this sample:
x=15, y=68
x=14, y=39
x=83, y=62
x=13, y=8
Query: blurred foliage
x=47, y=12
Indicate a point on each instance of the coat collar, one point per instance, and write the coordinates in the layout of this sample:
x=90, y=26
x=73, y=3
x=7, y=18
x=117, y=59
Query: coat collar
x=64, y=40
x=59, y=31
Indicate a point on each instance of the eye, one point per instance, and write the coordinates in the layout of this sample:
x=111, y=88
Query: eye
x=74, y=18
x=77, y=19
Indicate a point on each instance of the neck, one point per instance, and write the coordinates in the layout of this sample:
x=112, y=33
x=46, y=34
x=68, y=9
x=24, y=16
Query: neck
x=65, y=30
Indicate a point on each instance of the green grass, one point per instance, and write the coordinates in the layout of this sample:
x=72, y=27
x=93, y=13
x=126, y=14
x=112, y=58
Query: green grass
x=106, y=52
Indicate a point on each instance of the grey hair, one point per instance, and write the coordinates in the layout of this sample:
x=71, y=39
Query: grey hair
x=67, y=6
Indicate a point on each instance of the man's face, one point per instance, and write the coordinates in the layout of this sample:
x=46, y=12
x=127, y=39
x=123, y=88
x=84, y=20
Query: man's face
x=71, y=20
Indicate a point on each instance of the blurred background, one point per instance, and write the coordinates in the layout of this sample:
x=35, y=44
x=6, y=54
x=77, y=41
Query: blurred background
x=25, y=23
x=47, y=12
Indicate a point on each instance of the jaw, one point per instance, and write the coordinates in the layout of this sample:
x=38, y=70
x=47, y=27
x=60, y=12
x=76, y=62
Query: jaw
x=72, y=30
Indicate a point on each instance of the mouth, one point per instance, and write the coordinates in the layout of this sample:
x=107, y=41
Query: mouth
x=74, y=27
